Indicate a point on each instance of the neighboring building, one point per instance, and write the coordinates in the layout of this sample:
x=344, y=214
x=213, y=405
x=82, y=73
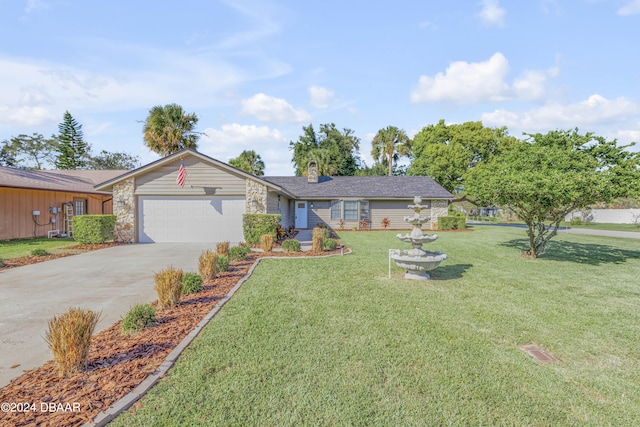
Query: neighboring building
x=36, y=203
x=151, y=207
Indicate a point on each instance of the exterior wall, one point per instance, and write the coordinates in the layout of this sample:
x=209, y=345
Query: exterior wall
x=125, y=209
x=202, y=179
x=610, y=216
x=395, y=210
x=280, y=206
x=256, y=197
x=438, y=208
x=320, y=212
x=16, y=205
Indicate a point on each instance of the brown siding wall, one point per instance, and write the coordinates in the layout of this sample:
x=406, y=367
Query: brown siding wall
x=202, y=179
x=16, y=205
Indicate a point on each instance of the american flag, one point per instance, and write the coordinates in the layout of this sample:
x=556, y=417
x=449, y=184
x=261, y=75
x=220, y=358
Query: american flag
x=182, y=175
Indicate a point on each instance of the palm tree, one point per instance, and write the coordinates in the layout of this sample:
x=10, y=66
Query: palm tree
x=388, y=145
x=249, y=161
x=168, y=129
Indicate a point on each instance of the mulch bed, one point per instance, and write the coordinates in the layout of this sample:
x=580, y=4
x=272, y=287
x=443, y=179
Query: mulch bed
x=117, y=363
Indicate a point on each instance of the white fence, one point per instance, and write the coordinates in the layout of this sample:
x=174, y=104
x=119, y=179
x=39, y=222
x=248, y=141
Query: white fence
x=611, y=216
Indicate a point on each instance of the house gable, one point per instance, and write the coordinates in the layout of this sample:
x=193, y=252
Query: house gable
x=203, y=178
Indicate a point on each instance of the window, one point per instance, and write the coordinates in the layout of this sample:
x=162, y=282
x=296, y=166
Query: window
x=336, y=213
x=364, y=209
x=351, y=210
x=79, y=206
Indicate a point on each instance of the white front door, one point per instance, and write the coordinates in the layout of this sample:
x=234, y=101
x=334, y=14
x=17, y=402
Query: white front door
x=301, y=214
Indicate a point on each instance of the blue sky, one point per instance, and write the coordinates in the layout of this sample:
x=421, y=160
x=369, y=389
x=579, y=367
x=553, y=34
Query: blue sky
x=255, y=72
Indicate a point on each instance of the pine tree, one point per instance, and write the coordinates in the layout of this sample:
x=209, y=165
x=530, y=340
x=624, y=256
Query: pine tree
x=73, y=151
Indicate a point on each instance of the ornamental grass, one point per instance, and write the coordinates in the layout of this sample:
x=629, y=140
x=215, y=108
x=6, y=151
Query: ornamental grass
x=207, y=265
x=169, y=287
x=69, y=339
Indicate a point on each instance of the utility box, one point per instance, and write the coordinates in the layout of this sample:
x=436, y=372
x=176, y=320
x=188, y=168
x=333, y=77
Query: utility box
x=35, y=213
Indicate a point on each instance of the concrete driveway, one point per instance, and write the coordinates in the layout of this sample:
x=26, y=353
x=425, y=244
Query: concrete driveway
x=108, y=280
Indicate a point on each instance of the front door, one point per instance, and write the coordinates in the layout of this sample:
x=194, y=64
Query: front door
x=301, y=214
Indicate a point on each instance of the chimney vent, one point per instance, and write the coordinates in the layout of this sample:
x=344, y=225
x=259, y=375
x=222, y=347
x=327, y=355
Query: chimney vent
x=312, y=172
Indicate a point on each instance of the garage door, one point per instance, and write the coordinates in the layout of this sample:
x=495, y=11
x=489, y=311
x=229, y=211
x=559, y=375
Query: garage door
x=190, y=219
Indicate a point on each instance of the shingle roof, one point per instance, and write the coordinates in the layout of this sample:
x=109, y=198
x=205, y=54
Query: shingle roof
x=77, y=181
x=370, y=187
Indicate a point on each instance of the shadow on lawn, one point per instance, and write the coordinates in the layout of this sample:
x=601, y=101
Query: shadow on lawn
x=449, y=272
x=580, y=253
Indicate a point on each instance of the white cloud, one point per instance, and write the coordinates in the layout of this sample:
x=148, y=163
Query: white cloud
x=477, y=82
x=595, y=114
x=271, y=109
x=631, y=8
x=231, y=139
x=531, y=85
x=320, y=97
x=492, y=13
x=26, y=116
x=36, y=5
x=465, y=83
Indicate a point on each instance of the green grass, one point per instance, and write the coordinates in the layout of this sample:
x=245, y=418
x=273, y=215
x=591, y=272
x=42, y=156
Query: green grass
x=23, y=247
x=336, y=342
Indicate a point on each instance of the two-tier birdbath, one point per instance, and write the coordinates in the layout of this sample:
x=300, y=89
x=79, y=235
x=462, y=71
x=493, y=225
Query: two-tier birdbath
x=416, y=260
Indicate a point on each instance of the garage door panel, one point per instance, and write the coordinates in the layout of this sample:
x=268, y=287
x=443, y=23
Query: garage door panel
x=190, y=219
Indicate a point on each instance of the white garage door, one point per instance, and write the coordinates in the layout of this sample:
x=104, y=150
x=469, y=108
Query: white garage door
x=190, y=219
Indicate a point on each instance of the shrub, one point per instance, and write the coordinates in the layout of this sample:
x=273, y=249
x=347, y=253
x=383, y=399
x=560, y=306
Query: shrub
x=320, y=231
x=341, y=224
x=451, y=222
x=222, y=263
x=93, y=228
x=385, y=222
x=222, y=248
x=69, y=339
x=39, y=252
x=191, y=283
x=239, y=252
x=256, y=225
x=576, y=220
x=207, y=265
x=317, y=243
x=330, y=244
x=169, y=287
x=140, y=316
x=266, y=242
x=364, y=224
x=291, y=245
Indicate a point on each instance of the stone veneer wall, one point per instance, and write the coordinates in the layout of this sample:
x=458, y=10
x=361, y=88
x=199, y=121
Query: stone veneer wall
x=124, y=208
x=438, y=208
x=256, y=192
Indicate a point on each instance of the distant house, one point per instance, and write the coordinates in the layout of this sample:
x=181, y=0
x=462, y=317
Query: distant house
x=35, y=203
x=150, y=206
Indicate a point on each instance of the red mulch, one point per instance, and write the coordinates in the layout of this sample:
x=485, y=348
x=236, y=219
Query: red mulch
x=117, y=363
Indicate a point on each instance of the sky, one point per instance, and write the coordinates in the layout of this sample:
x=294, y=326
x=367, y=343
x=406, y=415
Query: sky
x=255, y=72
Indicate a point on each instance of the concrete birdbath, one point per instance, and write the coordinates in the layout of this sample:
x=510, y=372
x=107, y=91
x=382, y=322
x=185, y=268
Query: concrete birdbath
x=416, y=260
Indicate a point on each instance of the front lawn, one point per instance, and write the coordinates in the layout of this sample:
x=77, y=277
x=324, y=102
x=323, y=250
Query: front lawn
x=336, y=342
x=23, y=247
